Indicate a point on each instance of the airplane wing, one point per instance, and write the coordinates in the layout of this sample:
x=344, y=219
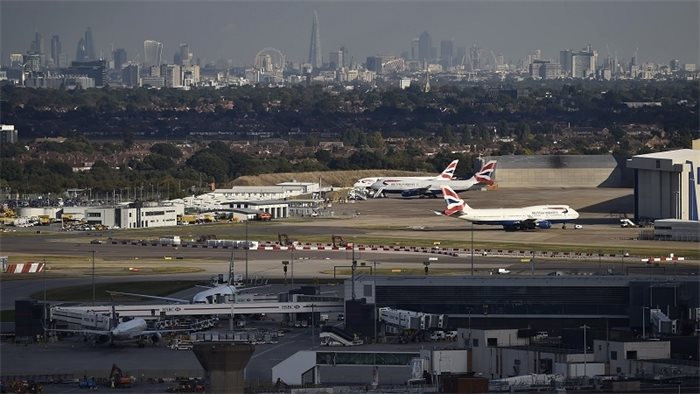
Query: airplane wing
x=169, y=299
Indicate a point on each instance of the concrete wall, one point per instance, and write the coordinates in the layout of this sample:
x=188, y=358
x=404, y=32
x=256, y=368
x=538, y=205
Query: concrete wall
x=559, y=171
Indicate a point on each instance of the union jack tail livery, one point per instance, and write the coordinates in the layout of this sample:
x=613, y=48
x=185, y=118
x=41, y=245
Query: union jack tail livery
x=449, y=172
x=454, y=203
x=486, y=174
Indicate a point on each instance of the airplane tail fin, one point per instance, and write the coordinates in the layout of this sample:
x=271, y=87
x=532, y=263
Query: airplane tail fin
x=449, y=171
x=454, y=203
x=487, y=173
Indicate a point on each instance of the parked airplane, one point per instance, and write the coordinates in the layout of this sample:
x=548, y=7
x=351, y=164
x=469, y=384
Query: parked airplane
x=128, y=330
x=212, y=295
x=538, y=216
x=447, y=174
x=411, y=188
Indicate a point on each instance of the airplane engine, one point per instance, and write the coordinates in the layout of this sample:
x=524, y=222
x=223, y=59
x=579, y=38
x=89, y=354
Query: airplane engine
x=544, y=224
x=155, y=338
x=409, y=193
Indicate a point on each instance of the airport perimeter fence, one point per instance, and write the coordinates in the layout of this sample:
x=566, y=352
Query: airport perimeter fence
x=453, y=252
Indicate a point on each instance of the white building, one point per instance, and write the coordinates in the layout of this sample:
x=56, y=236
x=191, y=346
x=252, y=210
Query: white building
x=667, y=184
x=133, y=216
x=621, y=355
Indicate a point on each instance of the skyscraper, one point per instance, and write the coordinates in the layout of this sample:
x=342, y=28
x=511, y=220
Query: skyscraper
x=315, y=57
x=37, y=48
x=414, y=48
x=81, y=52
x=152, y=53
x=89, y=45
x=56, y=51
x=447, y=53
x=184, y=56
x=336, y=59
x=425, y=47
x=119, y=58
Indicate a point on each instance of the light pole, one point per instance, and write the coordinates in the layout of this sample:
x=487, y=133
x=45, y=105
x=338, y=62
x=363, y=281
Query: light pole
x=585, y=349
x=352, y=276
x=93, y=277
x=291, y=252
x=247, y=246
x=644, y=323
x=284, y=268
x=472, y=248
x=45, y=324
x=374, y=294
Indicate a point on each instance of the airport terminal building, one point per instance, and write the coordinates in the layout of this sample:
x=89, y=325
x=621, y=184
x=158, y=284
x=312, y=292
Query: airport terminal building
x=538, y=301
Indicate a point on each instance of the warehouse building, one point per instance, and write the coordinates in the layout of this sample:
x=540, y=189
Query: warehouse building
x=136, y=215
x=277, y=209
x=666, y=185
x=560, y=171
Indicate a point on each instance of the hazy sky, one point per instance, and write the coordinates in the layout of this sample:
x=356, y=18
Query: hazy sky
x=662, y=30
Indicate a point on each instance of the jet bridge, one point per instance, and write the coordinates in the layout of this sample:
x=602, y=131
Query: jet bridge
x=162, y=310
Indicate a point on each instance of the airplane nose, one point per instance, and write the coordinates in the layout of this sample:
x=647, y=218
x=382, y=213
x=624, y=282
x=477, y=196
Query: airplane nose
x=574, y=213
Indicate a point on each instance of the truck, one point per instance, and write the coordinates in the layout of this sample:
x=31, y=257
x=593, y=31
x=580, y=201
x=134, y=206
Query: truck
x=173, y=240
x=263, y=216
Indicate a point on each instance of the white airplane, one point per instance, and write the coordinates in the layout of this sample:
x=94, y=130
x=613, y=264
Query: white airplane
x=212, y=295
x=538, y=216
x=447, y=174
x=128, y=330
x=411, y=188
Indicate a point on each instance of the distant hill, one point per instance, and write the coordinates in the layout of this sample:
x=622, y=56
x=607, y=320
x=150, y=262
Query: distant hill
x=332, y=178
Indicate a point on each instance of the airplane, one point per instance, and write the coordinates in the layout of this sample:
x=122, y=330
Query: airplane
x=120, y=331
x=538, y=216
x=411, y=188
x=447, y=174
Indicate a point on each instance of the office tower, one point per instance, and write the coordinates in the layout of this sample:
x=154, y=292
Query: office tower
x=565, y=61
x=315, y=47
x=425, y=47
x=583, y=63
x=447, y=53
x=130, y=75
x=184, y=55
x=172, y=75
x=119, y=58
x=153, y=53
x=89, y=45
x=56, y=51
x=81, y=53
x=336, y=59
x=415, y=43
x=675, y=65
x=37, y=45
x=16, y=61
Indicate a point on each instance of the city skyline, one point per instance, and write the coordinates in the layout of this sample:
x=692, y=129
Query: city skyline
x=661, y=30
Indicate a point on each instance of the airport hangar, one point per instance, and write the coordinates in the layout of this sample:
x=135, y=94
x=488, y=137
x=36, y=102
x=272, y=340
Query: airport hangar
x=547, y=171
x=539, y=302
x=667, y=184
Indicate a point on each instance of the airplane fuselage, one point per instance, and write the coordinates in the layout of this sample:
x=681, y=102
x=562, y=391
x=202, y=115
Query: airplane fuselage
x=537, y=215
x=129, y=329
x=421, y=187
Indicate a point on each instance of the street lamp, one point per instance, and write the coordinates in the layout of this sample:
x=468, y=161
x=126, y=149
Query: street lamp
x=247, y=246
x=585, y=346
x=284, y=268
x=374, y=294
x=93, y=277
x=472, y=248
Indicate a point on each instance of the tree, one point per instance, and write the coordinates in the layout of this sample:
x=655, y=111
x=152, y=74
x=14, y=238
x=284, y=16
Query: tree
x=168, y=150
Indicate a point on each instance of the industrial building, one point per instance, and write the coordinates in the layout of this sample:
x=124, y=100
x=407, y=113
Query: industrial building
x=559, y=171
x=277, y=209
x=136, y=215
x=677, y=230
x=666, y=185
